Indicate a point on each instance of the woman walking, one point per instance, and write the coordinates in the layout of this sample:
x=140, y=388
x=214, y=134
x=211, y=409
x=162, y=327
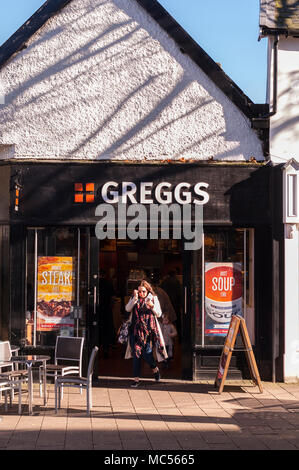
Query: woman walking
x=145, y=331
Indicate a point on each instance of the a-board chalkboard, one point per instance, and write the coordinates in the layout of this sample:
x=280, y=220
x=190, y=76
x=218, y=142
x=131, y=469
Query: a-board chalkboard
x=255, y=376
x=237, y=323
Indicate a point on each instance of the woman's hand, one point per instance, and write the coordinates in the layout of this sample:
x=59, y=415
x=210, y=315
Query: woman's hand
x=149, y=303
x=135, y=294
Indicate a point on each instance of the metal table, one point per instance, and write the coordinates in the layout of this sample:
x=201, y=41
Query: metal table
x=29, y=361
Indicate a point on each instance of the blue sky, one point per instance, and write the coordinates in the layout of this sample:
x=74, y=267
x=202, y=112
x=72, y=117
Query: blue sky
x=226, y=29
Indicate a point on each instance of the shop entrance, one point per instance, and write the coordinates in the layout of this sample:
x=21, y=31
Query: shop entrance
x=122, y=264
x=77, y=285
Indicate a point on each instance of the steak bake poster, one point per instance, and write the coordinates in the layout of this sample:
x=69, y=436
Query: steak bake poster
x=55, y=292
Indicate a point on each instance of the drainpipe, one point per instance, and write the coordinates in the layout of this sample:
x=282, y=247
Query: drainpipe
x=272, y=113
x=274, y=104
x=275, y=47
x=259, y=123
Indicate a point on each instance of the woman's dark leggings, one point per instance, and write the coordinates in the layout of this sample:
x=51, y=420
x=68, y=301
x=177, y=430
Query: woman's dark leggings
x=146, y=354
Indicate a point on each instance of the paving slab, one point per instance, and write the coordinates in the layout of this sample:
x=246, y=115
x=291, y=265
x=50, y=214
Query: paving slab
x=173, y=415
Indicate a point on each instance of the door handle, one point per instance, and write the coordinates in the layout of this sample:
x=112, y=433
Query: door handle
x=185, y=301
x=95, y=300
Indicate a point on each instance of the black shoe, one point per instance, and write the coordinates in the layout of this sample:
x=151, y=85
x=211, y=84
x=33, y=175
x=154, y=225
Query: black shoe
x=135, y=384
x=157, y=376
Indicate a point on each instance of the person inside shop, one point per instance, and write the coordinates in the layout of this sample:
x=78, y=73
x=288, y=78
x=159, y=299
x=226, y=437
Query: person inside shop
x=169, y=333
x=171, y=285
x=163, y=297
x=107, y=330
x=145, y=331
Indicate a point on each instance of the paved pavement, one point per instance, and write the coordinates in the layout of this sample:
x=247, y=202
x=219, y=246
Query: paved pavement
x=170, y=415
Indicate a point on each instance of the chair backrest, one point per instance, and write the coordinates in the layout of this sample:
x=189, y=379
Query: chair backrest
x=91, y=362
x=5, y=351
x=69, y=348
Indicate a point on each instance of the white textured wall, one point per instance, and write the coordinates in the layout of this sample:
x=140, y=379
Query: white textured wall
x=284, y=138
x=291, y=336
x=284, y=126
x=101, y=80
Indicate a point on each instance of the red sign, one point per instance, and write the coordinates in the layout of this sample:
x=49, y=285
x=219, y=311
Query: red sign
x=223, y=295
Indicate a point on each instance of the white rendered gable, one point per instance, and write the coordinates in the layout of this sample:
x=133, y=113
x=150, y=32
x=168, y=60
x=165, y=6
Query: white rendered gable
x=102, y=80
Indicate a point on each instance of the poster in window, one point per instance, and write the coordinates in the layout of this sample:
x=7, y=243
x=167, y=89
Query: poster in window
x=55, y=293
x=223, y=296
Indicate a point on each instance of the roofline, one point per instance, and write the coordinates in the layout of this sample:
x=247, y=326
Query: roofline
x=189, y=46
x=291, y=162
x=18, y=40
x=185, y=42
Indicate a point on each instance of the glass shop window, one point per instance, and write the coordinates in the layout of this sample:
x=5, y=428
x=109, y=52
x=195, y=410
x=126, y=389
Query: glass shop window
x=223, y=284
x=52, y=288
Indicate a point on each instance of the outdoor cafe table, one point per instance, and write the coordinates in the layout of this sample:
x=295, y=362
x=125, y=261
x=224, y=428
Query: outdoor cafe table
x=29, y=361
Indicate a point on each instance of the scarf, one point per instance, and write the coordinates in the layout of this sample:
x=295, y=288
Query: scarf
x=145, y=328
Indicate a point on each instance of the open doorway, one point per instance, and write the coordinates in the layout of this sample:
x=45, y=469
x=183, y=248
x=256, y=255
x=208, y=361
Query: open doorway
x=123, y=264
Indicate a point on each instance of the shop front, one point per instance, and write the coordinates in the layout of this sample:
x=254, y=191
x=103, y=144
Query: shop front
x=82, y=236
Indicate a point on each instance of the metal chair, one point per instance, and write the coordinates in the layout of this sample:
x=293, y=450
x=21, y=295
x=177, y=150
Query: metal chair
x=10, y=386
x=67, y=361
x=10, y=374
x=77, y=382
x=5, y=356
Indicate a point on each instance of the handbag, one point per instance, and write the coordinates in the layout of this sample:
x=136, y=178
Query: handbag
x=123, y=332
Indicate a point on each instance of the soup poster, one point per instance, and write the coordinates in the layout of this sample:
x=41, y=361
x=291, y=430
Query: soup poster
x=223, y=296
x=55, y=292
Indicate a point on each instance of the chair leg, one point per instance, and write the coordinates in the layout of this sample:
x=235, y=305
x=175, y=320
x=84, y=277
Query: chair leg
x=88, y=399
x=12, y=394
x=56, y=397
x=61, y=388
x=20, y=398
x=40, y=381
x=5, y=398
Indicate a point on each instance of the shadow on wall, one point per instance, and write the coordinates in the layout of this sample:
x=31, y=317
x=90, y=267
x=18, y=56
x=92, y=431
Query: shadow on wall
x=289, y=99
x=285, y=11
x=149, y=108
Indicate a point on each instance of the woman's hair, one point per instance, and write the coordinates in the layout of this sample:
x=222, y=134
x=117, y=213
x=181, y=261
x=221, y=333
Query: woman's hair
x=147, y=285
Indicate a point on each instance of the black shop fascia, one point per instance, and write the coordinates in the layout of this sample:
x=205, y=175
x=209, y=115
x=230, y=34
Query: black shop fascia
x=69, y=193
